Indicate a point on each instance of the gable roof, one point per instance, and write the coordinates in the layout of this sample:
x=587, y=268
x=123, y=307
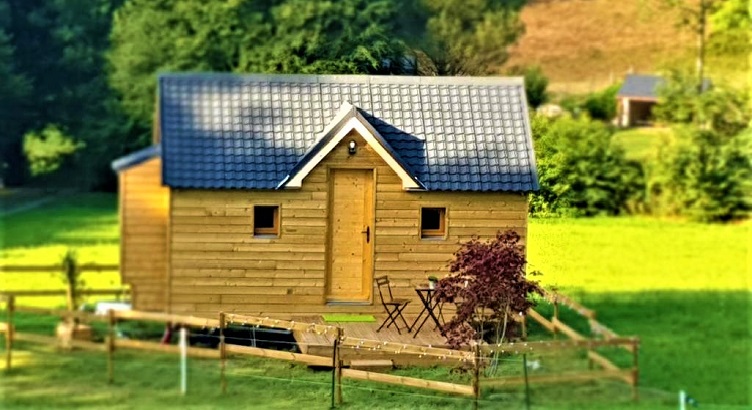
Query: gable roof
x=259, y=131
x=349, y=119
x=646, y=86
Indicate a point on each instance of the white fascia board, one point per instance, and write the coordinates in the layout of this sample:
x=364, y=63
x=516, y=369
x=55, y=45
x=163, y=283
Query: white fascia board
x=296, y=181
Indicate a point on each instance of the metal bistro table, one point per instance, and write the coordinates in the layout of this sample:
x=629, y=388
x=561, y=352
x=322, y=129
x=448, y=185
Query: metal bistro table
x=429, y=306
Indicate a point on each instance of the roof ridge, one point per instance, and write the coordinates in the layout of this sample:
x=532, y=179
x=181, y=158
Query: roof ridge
x=348, y=78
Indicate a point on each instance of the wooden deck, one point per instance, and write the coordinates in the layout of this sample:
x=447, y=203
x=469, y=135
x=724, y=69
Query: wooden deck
x=322, y=344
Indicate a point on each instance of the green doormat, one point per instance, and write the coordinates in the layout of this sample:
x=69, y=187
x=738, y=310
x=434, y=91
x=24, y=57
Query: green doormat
x=348, y=318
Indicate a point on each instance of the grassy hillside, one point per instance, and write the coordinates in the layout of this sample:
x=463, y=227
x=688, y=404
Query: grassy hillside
x=585, y=45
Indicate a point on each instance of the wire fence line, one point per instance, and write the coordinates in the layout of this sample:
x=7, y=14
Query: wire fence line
x=471, y=361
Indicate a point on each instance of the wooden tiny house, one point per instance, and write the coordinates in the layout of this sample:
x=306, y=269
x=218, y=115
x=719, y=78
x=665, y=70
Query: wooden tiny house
x=144, y=215
x=286, y=195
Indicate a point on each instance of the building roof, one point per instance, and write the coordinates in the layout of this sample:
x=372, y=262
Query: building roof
x=135, y=158
x=646, y=86
x=257, y=131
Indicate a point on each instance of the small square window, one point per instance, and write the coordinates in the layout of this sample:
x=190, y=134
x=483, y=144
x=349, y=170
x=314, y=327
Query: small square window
x=265, y=220
x=432, y=222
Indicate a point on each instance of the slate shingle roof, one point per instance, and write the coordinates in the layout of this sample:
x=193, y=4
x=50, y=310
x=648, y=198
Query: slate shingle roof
x=646, y=86
x=249, y=131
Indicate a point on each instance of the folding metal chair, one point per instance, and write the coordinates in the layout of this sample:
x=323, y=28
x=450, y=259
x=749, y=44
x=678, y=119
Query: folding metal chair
x=393, y=307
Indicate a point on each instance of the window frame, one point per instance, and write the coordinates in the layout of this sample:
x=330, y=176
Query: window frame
x=434, y=234
x=272, y=232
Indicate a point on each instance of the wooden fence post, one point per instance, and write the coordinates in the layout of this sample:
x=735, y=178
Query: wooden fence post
x=338, y=363
x=222, y=353
x=476, y=375
x=556, y=316
x=9, y=308
x=111, y=346
x=635, y=369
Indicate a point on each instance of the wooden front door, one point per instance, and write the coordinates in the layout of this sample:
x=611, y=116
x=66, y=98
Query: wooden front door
x=350, y=267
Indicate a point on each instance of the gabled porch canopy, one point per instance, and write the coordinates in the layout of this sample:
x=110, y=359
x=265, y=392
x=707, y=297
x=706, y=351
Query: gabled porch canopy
x=349, y=119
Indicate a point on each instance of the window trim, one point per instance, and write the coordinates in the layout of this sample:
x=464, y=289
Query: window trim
x=272, y=232
x=434, y=234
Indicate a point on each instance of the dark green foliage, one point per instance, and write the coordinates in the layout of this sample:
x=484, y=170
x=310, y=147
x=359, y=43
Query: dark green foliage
x=536, y=84
x=703, y=175
x=721, y=109
x=14, y=91
x=580, y=172
x=465, y=37
x=272, y=36
x=599, y=105
x=59, y=46
x=602, y=105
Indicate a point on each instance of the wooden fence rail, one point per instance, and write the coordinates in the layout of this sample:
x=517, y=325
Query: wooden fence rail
x=466, y=390
x=162, y=348
x=559, y=378
x=306, y=359
x=398, y=348
x=63, y=292
x=166, y=318
x=84, y=267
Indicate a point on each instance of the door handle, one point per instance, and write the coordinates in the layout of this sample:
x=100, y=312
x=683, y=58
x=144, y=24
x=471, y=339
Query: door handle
x=368, y=234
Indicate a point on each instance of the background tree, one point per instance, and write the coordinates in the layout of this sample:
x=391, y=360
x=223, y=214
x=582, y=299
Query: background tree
x=536, y=84
x=267, y=36
x=60, y=47
x=14, y=89
x=580, y=171
x=703, y=175
x=693, y=14
x=720, y=108
x=48, y=149
x=732, y=25
x=465, y=37
x=490, y=281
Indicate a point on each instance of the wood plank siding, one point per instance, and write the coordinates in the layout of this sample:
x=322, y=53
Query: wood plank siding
x=218, y=265
x=144, y=209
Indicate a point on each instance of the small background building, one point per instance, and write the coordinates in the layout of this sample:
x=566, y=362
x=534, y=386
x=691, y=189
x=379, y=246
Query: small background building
x=637, y=97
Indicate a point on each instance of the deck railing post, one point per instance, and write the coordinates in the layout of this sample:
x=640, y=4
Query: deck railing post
x=222, y=353
x=9, y=308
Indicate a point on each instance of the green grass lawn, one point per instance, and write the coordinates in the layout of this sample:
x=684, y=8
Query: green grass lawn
x=641, y=144
x=87, y=223
x=683, y=288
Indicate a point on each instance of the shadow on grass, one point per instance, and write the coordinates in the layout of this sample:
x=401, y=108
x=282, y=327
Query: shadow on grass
x=690, y=340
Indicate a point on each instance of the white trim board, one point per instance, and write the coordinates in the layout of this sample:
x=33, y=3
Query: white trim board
x=356, y=123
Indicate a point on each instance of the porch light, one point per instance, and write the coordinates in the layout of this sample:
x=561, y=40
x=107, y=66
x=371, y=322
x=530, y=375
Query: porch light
x=351, y=147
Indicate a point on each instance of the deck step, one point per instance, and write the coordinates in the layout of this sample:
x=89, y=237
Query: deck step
x=371, y=364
